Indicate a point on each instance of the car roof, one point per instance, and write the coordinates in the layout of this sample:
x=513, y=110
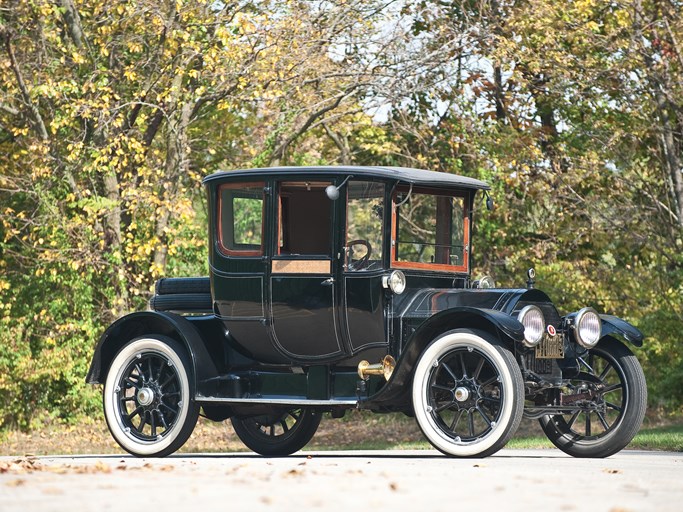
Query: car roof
x=403, y=174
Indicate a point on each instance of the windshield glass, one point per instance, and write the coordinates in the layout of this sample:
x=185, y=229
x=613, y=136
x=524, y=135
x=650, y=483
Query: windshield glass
x=430, y=231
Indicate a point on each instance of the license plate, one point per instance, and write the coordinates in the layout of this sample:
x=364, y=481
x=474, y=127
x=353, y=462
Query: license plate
x=551, y=347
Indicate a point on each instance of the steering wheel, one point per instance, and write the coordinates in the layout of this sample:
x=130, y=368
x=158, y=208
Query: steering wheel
x=363, y=261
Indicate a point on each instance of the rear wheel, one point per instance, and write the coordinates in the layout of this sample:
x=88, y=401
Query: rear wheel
x=279, y=433
x=612, y=396
x=148, y=397
x=468, y=394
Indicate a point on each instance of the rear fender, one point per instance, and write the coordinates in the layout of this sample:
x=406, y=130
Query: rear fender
x=133, y=326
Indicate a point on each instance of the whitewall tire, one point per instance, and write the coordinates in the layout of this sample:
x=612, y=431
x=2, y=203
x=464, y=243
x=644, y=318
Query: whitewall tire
x=149, y=397
x=468, y=394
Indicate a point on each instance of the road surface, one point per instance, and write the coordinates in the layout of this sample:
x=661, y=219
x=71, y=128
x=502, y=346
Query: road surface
x=420, y=481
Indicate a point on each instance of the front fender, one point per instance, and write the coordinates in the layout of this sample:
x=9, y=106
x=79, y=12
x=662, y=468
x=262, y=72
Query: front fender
x=139, y=324
x=501, y=325
x=615, y=326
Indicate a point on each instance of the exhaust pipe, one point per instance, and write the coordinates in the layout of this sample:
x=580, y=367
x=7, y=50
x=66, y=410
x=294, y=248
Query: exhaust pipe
x=385, y=368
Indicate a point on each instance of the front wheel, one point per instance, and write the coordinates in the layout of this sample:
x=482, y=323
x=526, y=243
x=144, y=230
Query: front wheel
x=282, y=432
x=468, y=394
x=148, y=400
x=613, y=395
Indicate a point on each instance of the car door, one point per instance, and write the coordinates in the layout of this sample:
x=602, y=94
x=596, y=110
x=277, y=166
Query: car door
x=364, y=297
x=304, y=292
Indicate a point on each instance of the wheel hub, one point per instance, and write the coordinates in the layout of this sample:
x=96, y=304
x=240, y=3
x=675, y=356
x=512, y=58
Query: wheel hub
x=145, y=396
x=462, y=394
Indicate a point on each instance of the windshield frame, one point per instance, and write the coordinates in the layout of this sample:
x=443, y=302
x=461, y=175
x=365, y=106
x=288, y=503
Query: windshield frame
x=440, y=267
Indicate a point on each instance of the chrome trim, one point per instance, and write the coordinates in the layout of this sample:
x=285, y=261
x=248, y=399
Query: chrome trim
x=520, y=317
x=577, y=331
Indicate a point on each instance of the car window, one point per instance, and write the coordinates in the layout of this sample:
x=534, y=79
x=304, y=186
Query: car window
x=364, y=225
x=431, y=229
x=305, y=219
x=241, y=219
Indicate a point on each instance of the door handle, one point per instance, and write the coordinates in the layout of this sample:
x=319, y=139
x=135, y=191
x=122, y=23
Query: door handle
x=328, y=282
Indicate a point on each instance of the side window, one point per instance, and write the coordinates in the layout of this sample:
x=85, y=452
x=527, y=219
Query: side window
x=431, y=230
x=240, y=219
x=364, y=225
x=305, y=217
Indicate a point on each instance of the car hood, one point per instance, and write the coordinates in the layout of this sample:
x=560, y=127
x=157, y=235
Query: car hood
x=424, y=303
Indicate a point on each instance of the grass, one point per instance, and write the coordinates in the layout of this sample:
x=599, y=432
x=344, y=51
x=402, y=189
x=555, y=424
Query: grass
x=668, y=438
x=357, y=431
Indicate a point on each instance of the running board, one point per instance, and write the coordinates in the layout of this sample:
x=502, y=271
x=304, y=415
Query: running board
x=276, y=401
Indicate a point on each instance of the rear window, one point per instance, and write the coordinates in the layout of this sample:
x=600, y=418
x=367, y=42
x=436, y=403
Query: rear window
x=240, y=214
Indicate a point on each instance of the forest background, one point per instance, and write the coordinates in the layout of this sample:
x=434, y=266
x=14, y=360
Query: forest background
x=112, y=112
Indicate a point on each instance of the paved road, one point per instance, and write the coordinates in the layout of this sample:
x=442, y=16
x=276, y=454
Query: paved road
x=351, y=481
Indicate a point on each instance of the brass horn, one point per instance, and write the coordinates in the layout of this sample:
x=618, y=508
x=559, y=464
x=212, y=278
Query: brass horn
x=386, y=368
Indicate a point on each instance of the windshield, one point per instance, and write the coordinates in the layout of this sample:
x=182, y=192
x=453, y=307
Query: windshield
x=431, y=230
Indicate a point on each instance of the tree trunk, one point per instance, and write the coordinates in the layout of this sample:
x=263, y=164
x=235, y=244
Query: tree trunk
x=175, y=168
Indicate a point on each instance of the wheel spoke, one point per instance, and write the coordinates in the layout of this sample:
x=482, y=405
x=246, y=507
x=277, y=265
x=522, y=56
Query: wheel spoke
x=611, y=388
x=456, y=419
x=443, y=407
x=443, y=388
x=285, y=428
x=588, y=423
x=134, y=413
x=572, y=420
x=483, y=415
x=603, y=421
x=131, y=383
x=491, y=399
x=272, y=430
x=613, y=406
x=138, y=369
x=450, y=372
x=170, y=409
x=171, y=376
x=143, y=421
x=162, y=364
x=604, y=373
x=470, y=418
x=489, y=382
x=462, y=366
x=162, y=419
x=153, y=424
x=477, y=370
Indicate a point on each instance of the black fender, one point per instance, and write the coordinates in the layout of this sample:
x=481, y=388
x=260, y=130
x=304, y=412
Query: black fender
x=501, y=325
x=615, y=326
x=139, y=324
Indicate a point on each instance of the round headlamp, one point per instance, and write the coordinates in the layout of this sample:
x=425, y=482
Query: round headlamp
x=533, y=321
x=396, y=282
x=587, y=327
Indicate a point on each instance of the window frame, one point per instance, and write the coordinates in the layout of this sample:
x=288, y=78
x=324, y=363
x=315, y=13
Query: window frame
x=293, y=182
x=221, y=245
x=464, y=268
x=383, y=229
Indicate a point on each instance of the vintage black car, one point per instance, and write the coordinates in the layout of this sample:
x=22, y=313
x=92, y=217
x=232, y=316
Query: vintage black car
x=337, y=288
